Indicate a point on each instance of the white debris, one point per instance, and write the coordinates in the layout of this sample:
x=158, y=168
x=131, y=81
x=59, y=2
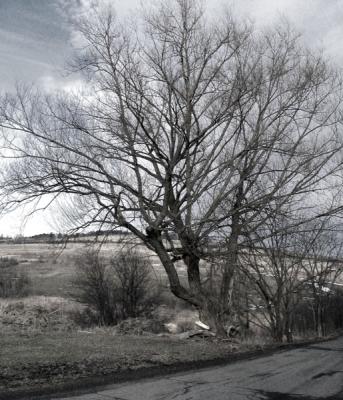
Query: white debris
x=202, y=325
x=171, y=327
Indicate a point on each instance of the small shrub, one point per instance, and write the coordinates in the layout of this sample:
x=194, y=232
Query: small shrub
x=332, y=315
x=13, y=283
x=84, y=317
x=6, y=262
x=119, y=289
x=95, y=287
x=135, y=292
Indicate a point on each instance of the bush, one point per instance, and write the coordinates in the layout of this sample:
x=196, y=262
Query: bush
x=335, y=310
x=135, y=292
x=84, y=317
x=13, y=283
x=332, y=315
x=6, y=262
x=118, y=289
x=95, y=287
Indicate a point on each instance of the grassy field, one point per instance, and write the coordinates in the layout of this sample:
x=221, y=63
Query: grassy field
x=52, y=267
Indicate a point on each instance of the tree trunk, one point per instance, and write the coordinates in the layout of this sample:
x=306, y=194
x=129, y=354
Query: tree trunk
x=277, y=334
x=211, y=314
x=321, y=323
x=287, y=324
x=209, y=305
x=277, y=329
x=318, y=319
x=288, y=330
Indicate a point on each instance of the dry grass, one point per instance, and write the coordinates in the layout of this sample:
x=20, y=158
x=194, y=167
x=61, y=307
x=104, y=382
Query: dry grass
x=255, y=341
x=43, y=359
x=38, y=313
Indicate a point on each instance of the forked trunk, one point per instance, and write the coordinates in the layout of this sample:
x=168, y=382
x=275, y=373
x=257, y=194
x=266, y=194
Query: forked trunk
x=210, y=307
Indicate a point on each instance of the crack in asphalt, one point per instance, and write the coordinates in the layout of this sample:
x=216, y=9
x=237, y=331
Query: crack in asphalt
x=329, y=373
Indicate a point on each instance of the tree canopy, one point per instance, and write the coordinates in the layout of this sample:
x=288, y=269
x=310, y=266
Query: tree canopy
x=187, y=127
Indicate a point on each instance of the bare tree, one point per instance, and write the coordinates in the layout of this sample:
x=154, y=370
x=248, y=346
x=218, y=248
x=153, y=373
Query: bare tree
x=288, y=263
x=322, y=267
x=274, y=265
x=188, y=126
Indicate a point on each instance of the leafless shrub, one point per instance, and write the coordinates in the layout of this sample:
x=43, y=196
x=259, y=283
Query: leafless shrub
x=6, y=262
x=135, y=292
x=13, y=283
x=95, y=288
x=119, y=289
x=84, y=317
x=305, y=319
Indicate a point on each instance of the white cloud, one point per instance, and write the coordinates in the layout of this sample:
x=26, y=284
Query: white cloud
x=50, y=83
x=18, y=223
x=318, y=21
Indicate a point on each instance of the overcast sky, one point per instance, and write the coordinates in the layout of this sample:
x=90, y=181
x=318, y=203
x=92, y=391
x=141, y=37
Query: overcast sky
x=36, y=38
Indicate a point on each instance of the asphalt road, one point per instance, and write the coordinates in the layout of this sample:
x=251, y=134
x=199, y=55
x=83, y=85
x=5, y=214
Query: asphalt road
x=312, y=372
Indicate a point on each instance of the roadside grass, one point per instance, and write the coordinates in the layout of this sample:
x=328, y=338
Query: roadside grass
x=41, y=346
x=39, y=360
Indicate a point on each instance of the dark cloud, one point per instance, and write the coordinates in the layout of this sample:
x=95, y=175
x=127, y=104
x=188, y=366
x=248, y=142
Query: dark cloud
x=33, y=40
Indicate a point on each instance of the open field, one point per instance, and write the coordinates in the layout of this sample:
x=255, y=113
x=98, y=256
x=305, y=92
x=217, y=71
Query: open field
x=51, y=267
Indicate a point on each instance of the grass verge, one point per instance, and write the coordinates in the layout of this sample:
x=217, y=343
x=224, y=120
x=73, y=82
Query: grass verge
x=41, y=360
